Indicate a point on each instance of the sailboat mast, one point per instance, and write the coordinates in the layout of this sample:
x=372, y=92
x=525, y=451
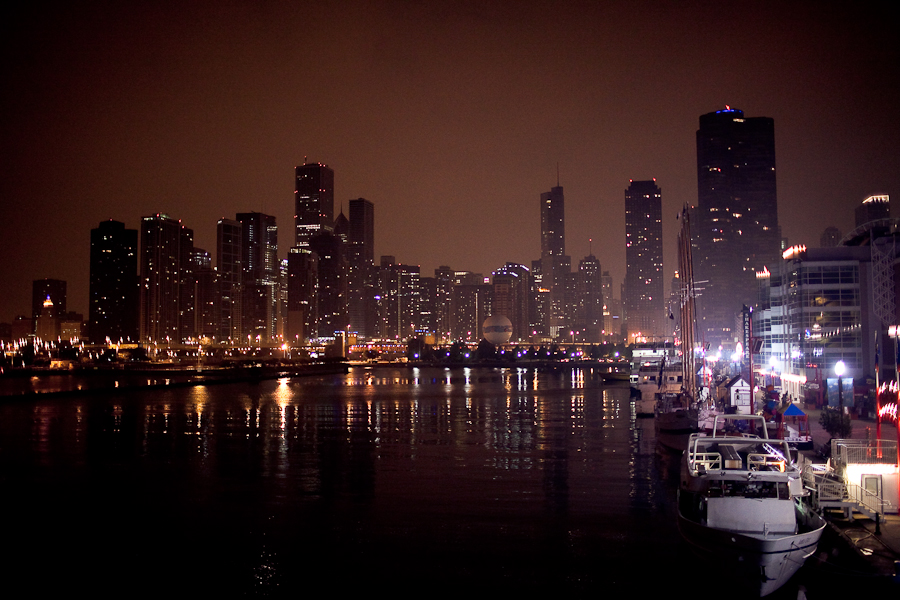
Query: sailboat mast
x=688, y=317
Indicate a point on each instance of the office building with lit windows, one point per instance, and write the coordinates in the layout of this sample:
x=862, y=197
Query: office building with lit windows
x=260, y=274
x=555, y=265
x=313, y=202
x=167, y=282
x=113, y=294
x=643, y=297
x=735, y=223
x=819, y=306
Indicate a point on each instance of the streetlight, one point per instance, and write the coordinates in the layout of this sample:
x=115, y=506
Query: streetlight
x=839, y=369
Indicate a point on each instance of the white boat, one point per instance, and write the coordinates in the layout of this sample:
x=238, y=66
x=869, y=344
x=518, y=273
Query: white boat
x=654, y=380
x=741, y=501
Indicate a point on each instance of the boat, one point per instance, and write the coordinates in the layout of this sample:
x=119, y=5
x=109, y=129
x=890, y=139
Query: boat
x=741, y=502
x=676, y=421
x=652, y=381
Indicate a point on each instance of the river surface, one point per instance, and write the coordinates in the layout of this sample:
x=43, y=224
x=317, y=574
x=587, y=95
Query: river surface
x=399, y=482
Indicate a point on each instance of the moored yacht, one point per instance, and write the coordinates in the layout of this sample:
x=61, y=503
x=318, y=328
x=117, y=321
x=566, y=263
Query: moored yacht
x=741, y=501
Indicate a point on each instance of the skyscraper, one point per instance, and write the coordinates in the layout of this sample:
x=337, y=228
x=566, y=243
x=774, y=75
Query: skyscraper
x=873, y=208
x=302, y=295
x=113, y=309
x=332, y=284
x=736, y=232
x=41, y=289
x=166, y=297
x=259, y=262
x=313, y=201
x=206, y=302
x=230, y=276
x=554, y=262
x=511, y=298
x=831, y=237
x=644, y=301
x=361, y=256
x=589, y=321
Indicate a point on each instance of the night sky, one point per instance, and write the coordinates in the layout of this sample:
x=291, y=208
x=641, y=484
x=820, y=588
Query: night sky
x=451, y=117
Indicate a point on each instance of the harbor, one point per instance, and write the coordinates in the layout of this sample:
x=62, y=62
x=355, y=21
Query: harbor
x=503, y=480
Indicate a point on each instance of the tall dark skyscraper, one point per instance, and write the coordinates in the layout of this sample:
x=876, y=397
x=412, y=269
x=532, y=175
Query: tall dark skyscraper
x=313, y=201
x=259, y=261
x=361, y=262
x=113, y=309
x=554, y=262
x=735, y=228
x=302, y=295
x=167, y=282
x=644, y=301
x=332, y=284
x=873, y=208
x=230, y=275
x=206, y=303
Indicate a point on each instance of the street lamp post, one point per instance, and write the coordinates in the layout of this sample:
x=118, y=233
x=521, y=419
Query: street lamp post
x=839, y=369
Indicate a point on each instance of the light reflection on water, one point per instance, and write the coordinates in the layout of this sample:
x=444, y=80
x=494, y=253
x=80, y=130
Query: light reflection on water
x=497, y=480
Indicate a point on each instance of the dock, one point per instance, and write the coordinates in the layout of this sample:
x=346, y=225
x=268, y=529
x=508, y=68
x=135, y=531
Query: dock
x=873, y=536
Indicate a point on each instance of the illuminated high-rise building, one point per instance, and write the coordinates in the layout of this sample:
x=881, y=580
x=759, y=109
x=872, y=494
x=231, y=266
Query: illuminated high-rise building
x=260, y=274
x=167, y=282
x=643, y=298
x=554, y=262
x=113, y=308
x=588, y=300
x=512, y=288
x=735, y=228
x=313, y=202
x=41, y=289
x=302, y=295
x=873, y=208
x=332, y=284
x=206, y=301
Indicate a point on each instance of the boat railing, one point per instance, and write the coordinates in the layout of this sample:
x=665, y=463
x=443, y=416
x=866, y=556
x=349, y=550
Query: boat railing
x=755, y=423
x=706, y=461
x=764, y=462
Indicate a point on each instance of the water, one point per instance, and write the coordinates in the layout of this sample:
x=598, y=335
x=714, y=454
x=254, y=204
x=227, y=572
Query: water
x=410, y=482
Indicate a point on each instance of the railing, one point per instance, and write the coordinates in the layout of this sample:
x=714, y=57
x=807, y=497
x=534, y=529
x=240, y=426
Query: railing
x=873, y=502
x=862, y=451
x=828, y=489
x=755, y=462
x=711, y=461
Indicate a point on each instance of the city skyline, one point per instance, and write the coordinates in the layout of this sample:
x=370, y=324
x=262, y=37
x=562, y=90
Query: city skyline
x=446, y=116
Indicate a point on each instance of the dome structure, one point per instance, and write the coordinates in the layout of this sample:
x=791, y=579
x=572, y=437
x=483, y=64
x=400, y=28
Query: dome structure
x=497, y=330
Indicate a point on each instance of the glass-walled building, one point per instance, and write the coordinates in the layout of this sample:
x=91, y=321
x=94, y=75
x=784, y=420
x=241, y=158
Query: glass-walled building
x=816, y=310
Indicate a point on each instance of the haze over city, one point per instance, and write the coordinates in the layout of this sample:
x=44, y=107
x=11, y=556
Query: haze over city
x=451, y=117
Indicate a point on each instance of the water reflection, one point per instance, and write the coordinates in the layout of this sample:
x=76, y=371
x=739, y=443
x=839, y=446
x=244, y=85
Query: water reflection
x=506, y=479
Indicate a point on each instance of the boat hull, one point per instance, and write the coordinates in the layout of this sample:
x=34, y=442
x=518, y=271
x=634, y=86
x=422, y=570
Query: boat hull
x=761, y=563
x=674, y=428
